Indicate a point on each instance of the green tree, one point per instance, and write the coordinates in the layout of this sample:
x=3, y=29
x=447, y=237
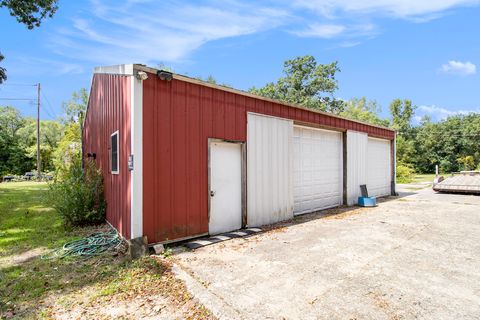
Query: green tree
x=164, y=67
x=3, y=72
x=307, y=83
x=467, y=162
x=13, y=158
x=364, y=110
x=70, y=145
x=447, y=143
x=50, y=135
x=30, y=12
x=402, y=112
x=68, y=149
x=75, y=108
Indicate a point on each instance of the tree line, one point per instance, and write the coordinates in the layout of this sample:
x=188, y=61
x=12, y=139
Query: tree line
x=452, y=143
x=60, y=139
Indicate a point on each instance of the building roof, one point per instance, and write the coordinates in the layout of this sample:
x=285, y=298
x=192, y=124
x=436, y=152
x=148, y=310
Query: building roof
x=131, y=69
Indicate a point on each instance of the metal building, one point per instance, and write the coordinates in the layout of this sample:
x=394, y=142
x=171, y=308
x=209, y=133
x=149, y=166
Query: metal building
x=183, y=158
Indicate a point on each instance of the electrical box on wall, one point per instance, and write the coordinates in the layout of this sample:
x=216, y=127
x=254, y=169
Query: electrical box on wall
x=130, y=162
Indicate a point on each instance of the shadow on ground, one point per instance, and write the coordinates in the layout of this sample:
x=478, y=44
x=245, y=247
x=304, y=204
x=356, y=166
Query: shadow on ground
x=333, y=213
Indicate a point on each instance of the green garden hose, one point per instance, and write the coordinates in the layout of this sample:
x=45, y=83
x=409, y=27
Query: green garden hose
x=87, y=247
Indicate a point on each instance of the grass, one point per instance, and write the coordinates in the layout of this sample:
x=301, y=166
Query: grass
x=26, y=221
x=34, y=288
x=29, y=228
x=423, y=178
x=417, y=178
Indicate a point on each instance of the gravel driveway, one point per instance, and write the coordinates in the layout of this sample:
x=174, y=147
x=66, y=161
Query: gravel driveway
x=414, y=256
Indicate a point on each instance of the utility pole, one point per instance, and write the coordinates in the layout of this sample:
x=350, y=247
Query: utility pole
x=39, y=164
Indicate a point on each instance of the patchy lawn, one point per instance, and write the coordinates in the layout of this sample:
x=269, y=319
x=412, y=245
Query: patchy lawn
x=104, y=287
x=423, y=178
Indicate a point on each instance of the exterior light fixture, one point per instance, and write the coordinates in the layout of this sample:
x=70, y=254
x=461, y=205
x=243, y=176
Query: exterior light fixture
x=164, y=75
x=141, y=75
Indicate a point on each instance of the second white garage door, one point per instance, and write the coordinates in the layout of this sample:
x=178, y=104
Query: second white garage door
x=317, y=169
x=379, y=173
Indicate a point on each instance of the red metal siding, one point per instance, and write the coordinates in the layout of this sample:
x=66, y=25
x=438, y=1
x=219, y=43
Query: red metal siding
x=109, y=111
x=178, y=119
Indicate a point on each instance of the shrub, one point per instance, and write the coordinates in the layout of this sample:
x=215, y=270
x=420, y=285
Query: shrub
x=405, y=173
x=77, y=194
x=467, y=163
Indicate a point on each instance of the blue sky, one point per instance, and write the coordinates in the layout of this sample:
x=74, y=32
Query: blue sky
x=427, y=51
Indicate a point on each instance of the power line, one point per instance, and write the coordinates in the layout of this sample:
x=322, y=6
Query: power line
x=19, y=84
x=17, y=99
x=50, y=106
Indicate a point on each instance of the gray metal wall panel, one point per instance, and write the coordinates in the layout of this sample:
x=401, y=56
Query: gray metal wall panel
x=379, y=165
x=269, y=170
x=357, y=143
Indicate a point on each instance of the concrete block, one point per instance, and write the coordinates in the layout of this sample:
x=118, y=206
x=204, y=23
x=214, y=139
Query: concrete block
x=138, y=247
x=158, y=248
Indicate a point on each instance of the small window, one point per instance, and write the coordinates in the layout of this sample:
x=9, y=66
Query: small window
x=114, y=152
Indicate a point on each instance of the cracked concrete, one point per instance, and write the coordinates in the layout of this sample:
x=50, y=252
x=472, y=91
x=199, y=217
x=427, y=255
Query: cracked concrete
x=416, y=256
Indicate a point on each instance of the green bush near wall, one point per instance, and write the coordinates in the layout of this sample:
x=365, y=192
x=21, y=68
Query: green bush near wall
x=405, y=174
x=78, y=194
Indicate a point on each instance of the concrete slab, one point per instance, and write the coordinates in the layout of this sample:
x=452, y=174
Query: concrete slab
x=415, y=256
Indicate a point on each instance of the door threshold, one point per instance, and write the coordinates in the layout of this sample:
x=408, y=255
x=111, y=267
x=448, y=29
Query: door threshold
x=199, y=243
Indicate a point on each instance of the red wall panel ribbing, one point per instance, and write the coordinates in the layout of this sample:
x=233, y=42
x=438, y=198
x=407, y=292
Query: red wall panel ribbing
x=109, y=111
x=178, y=118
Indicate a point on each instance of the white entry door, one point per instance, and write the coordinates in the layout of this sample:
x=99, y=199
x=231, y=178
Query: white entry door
x=317, y=169
x=225, y=187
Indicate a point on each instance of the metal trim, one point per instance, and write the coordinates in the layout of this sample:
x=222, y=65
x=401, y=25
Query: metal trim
x=311, y=125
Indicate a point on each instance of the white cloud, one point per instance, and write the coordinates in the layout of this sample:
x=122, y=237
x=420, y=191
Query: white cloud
x=439, y=113
x=317, y=30
x=338, y=31
x=151, y=31
x=458, y=67
x=396, y=8
x=25, y=65
x=353, y=18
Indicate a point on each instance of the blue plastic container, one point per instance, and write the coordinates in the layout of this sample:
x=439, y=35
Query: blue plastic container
x=367, y=201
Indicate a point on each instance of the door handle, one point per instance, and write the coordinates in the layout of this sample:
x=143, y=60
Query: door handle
x=212, y=193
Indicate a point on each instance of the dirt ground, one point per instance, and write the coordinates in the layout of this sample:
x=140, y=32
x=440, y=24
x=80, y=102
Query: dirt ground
x=414, y=256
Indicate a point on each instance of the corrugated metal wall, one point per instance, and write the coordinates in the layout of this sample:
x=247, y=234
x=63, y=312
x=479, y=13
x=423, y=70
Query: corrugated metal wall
x=109, y=111
x=357, y=143
x=178, y=118
x=269, y=170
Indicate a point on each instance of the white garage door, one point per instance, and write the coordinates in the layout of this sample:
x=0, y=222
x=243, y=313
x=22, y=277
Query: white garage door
x=378, y=167
x=318, y=173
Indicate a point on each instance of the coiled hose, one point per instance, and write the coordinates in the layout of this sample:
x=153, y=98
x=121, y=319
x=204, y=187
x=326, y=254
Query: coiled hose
x=87, y=247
